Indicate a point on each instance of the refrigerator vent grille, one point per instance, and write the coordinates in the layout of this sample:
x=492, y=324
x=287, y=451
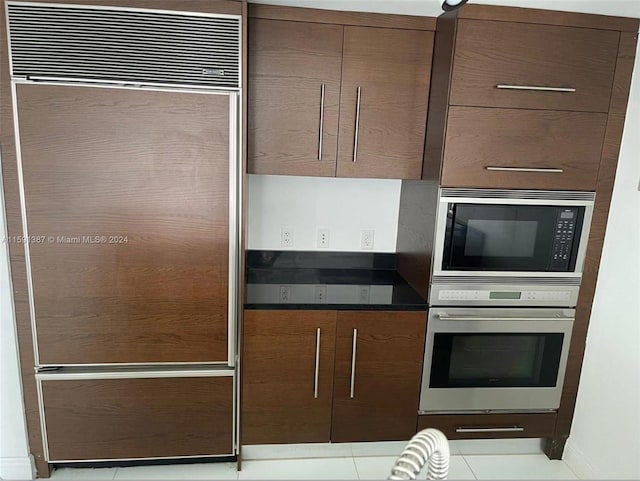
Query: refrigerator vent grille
x=110, y=44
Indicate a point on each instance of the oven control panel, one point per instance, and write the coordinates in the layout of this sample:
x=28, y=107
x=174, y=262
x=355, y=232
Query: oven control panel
x=565, y=229
x=471, y=295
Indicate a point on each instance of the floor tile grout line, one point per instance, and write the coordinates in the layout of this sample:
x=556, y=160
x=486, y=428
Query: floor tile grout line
x=475, y=476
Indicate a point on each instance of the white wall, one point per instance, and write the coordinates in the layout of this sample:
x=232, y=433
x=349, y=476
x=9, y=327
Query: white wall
x=306, y=204
x=605, y=436
x=14, y=449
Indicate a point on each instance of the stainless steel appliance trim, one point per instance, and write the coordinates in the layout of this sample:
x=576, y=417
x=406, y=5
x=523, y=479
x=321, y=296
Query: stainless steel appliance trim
x=353, y=364
x=7, y=26
x=514, y=429
x=139, y=374
x=234, y=243
x=124, y=85
x=25, y=227
x=525, y=169
x=357, y=126
x=317, y=366
x=535, y=87
x=106, y=460
x=128, y=9
x=43, y=422
x=444, y=317
x=321, y=129
x=553, y=195
x=116, y=365
x=489, y=411
x=548, y=198
x=535, y=280
x=495, y=399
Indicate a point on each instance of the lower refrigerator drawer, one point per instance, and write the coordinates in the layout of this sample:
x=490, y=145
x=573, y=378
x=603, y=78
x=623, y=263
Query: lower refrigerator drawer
x=142, y=416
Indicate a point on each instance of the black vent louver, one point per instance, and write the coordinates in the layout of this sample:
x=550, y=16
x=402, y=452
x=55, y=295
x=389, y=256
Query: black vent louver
x=124, y=45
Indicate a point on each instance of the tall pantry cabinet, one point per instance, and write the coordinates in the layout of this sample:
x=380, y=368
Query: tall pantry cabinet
x=122, y=165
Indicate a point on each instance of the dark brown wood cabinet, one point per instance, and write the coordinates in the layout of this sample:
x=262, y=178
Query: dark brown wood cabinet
x=103, y=419
x=287, y=376
x=383, y=106
x=533, y=66
x=485, y=426
x=129, y=191
x=522, y=149
x=293, y=96
x=378, y=371
x=305, y=78
x=369, y=395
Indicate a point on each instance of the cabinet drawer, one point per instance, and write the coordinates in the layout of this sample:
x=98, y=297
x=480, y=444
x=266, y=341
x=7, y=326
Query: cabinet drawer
x=107, y=419
x=515, y=55
x=488, y=426
x=489, y=148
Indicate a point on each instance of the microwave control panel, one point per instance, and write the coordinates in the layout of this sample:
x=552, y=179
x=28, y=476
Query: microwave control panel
x=471, y=295
x=563, y=239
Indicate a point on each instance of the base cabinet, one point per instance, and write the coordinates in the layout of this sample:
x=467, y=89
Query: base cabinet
x=377, y=375
x=287, y=376
x=319, y=376
x=488, y=426
x=137, y=418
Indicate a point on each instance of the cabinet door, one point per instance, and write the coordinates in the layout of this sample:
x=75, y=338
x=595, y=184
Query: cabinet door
x=129, y=191
x=103, y=419
x=293, y=97
x=383, y=107
x=287, y=376
x=378, y=371
x=517, y=56
x=522, y=149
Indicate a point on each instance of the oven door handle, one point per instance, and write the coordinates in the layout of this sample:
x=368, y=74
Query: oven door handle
x=444, y=317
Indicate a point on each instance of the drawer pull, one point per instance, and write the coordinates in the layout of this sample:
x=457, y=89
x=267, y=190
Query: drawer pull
x=536, y=88
x=444, y=317
x=514, y=429
x=525, y=169
x=321, y=129
x=353, y=365
x=317, y=370
x=355, y=137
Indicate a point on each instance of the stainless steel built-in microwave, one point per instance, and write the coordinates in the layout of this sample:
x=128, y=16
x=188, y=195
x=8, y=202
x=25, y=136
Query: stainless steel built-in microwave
x=533, y=241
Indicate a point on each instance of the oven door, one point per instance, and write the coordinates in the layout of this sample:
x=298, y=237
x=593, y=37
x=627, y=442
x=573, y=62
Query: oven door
x=479, y=359
x=518, y=233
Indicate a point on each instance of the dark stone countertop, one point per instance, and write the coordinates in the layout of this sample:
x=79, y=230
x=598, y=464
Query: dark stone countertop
x=327, y=281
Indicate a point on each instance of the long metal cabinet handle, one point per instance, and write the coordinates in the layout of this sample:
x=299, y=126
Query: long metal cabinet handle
x=514, y=429
x=497, y=318
x=526, y=169
x=355, y=137
x=317, y=371
x=321, y=129
x=353, y=364
x=535, y=87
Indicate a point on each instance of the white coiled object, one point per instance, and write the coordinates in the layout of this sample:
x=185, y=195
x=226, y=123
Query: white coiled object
x=429, y=446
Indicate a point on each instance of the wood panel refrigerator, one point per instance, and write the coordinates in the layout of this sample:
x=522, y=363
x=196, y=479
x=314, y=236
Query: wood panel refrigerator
x=128, y=162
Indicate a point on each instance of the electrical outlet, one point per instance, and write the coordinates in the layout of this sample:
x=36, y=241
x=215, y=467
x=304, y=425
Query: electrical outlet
x=320, y=294
x=323, y=238
x=366, y=239
x=364, y=293
x=285, y=294
x=286, y=237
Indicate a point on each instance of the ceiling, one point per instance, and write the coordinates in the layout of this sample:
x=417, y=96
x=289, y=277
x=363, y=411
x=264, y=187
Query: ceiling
x=623, y=8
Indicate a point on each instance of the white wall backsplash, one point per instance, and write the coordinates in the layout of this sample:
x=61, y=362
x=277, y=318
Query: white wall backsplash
x=306, y=204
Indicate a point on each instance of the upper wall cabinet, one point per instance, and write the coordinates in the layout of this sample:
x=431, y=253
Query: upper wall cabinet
x=519, y=65
x=338, y=94
x=383, y=107
x=520, y=98
x=294, y=93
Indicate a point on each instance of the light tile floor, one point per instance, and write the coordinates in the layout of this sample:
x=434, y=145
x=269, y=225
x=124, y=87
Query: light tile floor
x=513, y=460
